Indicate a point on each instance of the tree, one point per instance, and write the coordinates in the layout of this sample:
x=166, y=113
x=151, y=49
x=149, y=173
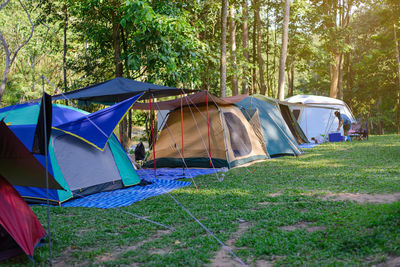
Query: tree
x=224, y=15
x=232, y=33
x=282, y=61
x=10, y=56
x=257, y=22
x=245, y=32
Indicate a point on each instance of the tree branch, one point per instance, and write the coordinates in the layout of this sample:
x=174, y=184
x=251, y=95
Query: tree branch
x=30, y=36
x=4, y=4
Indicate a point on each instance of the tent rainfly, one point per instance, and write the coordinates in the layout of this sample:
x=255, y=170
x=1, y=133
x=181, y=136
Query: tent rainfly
x=316, y=114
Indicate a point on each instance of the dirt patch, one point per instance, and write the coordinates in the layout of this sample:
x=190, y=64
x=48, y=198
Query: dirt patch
x=223, y=258
x=303, y=225
x=264, y=263
x=362, y=198
x=116, y=252
x=391, y=262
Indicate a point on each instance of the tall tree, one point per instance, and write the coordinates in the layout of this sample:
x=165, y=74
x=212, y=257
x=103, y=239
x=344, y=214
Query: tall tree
x=245, y=31
x=263, y=88
x=254, y=53
x=232, y=33
x=224, y=16
x=10, y=56
x=282, y=60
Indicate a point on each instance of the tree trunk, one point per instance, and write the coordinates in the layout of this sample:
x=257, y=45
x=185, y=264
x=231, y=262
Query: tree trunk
x=282, y=60
x=11, y=57
x=245, y=47
x=65, y=48
x=340, y=81
x=263, y=88
x=396, y=42
x=269, y=91
x=119, y=73
x=334, y=70
x=234, y=80
x=224, y=15
x=273, y=81
x=290, y=75
x=254, y=56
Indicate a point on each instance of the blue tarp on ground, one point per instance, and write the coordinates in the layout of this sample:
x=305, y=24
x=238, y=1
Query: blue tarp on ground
x=165, y=182
x=308, y=145
x=127, y=196
x=173, y=174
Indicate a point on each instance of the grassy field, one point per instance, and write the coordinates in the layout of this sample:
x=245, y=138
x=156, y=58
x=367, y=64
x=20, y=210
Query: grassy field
x=280, y=214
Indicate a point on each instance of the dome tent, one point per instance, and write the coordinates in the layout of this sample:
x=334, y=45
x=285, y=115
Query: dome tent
x=76, y=164
x=278, y=138
x=315, y=114
x=227, y=137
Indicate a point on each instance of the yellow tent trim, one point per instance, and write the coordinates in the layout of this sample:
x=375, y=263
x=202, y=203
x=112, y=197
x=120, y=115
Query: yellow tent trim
x=90, y=143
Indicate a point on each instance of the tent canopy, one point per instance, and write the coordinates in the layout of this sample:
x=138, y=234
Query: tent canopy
x=118, y=89
x=194, y=99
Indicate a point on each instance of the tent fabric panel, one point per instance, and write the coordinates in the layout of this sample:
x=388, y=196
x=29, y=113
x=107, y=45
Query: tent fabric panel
x=27, y=114
x=96, y=128
x=242, y=161
x=278, y=138
x=18, y=219
x=65, y=194
x=38, y=195
x=256, y=125
x=292, y=124
x=14, y=154
x=195, y=133
x=252, y=146
x=126, y=170
x=83, y=165
x=194, y=99
x=190, y=162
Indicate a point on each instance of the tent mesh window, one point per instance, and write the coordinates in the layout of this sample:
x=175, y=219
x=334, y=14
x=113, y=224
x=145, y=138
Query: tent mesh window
x=239, y=138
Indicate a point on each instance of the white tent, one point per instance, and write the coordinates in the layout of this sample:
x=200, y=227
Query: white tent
x=316, y=117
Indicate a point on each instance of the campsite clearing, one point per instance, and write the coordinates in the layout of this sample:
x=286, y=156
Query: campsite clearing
x=288, y=219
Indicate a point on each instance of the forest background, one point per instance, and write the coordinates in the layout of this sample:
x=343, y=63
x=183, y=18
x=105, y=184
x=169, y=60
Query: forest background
x=347, y=49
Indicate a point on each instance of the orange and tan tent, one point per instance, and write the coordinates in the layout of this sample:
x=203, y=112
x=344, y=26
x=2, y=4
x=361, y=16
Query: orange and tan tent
x=214, y=135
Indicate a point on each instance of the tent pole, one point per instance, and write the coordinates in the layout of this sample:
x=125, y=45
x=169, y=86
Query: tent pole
x=152, y=137
x=208, y=128
x=47, y=174
x=183, y=146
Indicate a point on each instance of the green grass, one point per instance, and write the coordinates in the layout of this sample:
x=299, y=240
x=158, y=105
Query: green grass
x=353, y=234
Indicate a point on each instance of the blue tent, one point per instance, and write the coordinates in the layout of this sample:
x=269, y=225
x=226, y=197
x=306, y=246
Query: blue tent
x=78, y=160
x=278, y=138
